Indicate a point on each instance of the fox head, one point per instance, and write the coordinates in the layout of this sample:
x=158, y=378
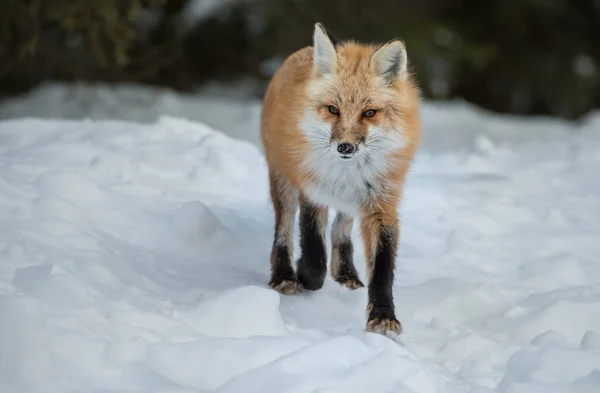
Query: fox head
x=356, y=97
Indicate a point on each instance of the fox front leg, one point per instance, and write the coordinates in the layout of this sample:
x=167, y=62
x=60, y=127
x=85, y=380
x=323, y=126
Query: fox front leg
x=380, y=232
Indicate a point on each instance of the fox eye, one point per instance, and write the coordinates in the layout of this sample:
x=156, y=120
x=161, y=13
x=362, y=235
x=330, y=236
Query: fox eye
x=333, y=110
x=369, y=113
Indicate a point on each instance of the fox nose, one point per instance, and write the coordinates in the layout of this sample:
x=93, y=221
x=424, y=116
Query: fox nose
x=346, y=148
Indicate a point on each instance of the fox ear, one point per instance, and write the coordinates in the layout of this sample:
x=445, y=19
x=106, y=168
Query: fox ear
x=390, y=61
x=324, y=53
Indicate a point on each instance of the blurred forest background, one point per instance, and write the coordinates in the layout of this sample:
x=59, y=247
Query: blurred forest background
x=511, y=56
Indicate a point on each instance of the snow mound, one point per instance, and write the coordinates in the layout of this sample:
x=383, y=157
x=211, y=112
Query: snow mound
x=72, y=187
x=551, y=369
x=207, y=364
x=195, y=222
x=571, y=319
x=590, y=340
x=239, y=313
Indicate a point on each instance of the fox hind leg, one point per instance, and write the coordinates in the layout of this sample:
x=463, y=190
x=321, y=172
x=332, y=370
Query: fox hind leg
x=285, y=203
x=342, y=259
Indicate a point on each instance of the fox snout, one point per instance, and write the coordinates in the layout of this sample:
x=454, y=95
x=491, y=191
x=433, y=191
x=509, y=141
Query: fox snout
x=347, y=145
x=347, y=140
x=345, y=148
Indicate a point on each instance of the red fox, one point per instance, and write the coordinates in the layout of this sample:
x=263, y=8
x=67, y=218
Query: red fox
x=340, y=127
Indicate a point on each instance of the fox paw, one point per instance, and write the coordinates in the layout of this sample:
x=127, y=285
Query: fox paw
x=382, y=320
x=311, y=277
x=384, y=326
x=286, y=287
x=350, y=282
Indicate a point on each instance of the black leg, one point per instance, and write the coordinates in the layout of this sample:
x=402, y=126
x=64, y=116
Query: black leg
x=382, y=242
x=312, y=265
x=342, y=253
x=285, y=204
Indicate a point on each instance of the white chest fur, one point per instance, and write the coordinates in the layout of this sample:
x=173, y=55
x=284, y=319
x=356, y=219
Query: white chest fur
x=347, y=185
x=344, y=185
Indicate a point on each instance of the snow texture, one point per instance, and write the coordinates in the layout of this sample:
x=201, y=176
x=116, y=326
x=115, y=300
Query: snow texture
x=135, y=256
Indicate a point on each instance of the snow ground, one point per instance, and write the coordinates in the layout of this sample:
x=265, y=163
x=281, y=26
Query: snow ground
x=135, y=256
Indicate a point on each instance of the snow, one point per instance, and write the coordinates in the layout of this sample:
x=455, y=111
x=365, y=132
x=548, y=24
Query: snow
x=219, y=107
x=135, y=232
